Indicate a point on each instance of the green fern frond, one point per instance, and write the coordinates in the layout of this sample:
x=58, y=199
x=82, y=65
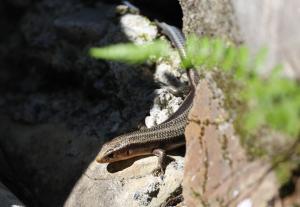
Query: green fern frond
x=132, y=53
x=273, y=101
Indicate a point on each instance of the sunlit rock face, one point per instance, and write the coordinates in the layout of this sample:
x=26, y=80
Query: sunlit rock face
x=274, y=25
x=126, y=183
x=217, y=172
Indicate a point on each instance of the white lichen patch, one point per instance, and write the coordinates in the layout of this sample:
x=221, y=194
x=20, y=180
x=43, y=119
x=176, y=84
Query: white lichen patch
x=165, y=104
x=145, y=195
x=138, y=29
x=170, y=66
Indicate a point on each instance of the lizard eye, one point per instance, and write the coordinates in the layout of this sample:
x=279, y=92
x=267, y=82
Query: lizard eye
x=110, y=155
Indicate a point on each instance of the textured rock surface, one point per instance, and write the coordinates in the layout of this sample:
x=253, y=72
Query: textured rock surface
x=57, y=161
x=217, y=172
x=127, y=183
x=52, y=158
x=210, y=18
x=258, y=24
x=272, y=24
x=169, y=97
x=7, y=199
x=58, y=106
x=138, y=29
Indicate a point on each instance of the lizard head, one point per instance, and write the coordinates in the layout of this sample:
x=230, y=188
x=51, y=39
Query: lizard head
x=118, y=149
x=110, y=152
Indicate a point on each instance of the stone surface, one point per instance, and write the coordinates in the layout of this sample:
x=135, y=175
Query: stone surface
x=129, y=183
x=58, y=106
x=8, y=199
x=126, y=183
x=217, y=172
x=271, y=24
x=209, y=18
x=52, y=158
x=86, y=25
x=173, y=81
x=165, y=104
x=138, y=28
x=294, y=199
x=54, y=162
x=259, y=24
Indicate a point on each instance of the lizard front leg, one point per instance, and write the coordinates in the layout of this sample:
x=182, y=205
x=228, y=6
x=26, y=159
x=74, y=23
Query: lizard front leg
x=161, y=165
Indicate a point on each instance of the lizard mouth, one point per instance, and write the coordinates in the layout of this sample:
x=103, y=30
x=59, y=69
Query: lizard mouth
x=101, y=160
x=104, y=159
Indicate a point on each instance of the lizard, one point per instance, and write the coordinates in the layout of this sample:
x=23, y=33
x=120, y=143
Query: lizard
x=163, y=137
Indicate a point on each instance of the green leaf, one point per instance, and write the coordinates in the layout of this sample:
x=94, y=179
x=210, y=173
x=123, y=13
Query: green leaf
x=132, y=53
x=259, y=58
x=229, y=58
x=273, y=101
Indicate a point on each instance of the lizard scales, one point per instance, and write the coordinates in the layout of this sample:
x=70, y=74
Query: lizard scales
x=166, y=136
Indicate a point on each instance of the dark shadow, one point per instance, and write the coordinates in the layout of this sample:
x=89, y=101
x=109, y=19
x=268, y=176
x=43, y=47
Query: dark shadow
x=288, y=188
x=121, y=165
x=48, y=80
x=172, y=80
x=168, y=10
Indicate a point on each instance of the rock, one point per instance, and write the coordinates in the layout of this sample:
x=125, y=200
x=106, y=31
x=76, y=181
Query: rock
x=210, y=18
x=45, y=158
x=294, y=199
x=85, y=25
x=272, y=25
x=169, y=97
x=34, y=110
x=165, y=104
x=8, y=199
x=217, y=172
x=126, y=183
x=138, y=29
x=260, y=24
x=72, y=104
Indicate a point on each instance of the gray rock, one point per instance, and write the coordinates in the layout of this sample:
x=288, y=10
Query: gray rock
x=126, y=184
x=137, y=28
x=210, y=18
x=34, y=110
x=145, y=196
x=273, y=25
x=8, y=199
x=50, y=136
x=217, y=171
x=85, y=25
x=165, y=104
x=167, y=100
